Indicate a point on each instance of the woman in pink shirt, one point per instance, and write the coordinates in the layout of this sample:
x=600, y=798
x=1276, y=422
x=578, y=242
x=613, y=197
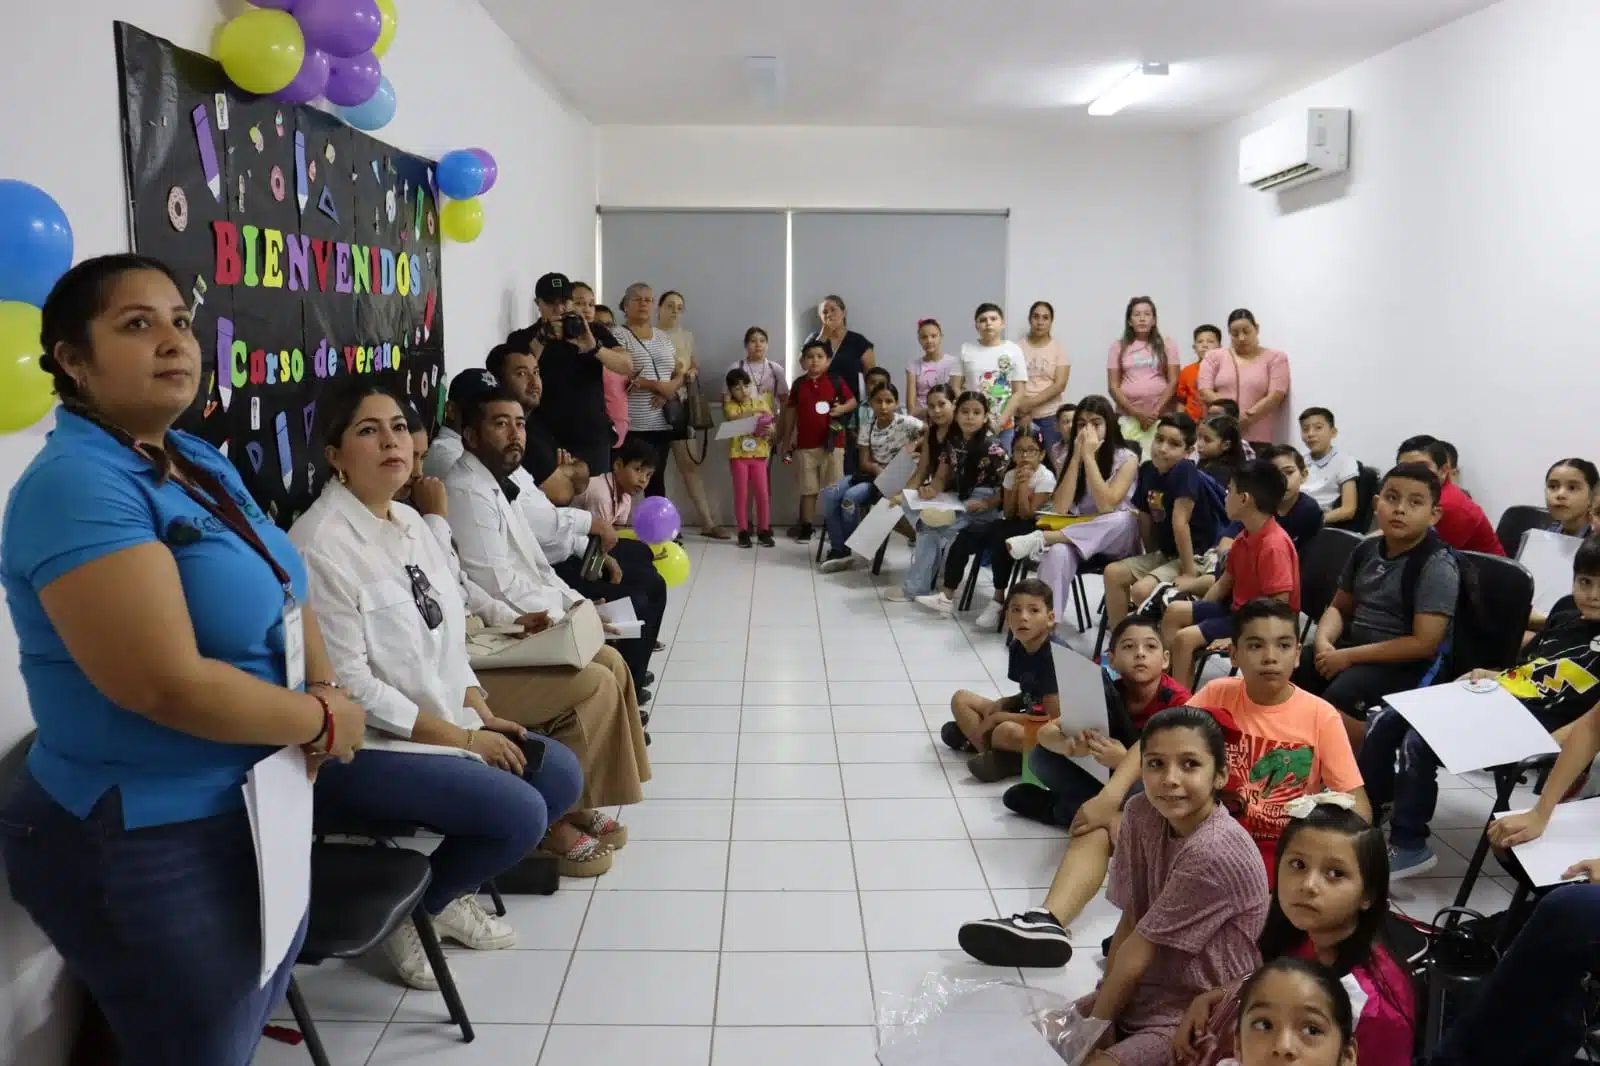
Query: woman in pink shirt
x=1048, y=371
x=1141, y=375
x=1255, y=378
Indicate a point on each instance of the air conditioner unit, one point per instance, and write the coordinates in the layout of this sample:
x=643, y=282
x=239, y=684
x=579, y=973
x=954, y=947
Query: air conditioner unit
x=1298, y=149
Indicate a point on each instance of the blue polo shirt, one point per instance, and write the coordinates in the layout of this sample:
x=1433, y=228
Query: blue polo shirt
x=85, y=496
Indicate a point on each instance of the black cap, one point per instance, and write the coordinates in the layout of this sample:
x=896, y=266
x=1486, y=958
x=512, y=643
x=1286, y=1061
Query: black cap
x=552, y=288
x=470, y=385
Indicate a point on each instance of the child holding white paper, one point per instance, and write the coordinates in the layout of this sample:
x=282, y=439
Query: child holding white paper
x=747, y=456
x=843, y=504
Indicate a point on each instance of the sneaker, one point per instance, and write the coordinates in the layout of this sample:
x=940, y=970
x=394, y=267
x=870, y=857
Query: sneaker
x=895, y=594
x=468, y=924
x=833, y=564
x=1032, y=939
x=404, y=948
x=744, y=538
x=765, y=539
x=1155, y=604
x=938, y=602
x=649, y=678
x=801, y=531
x=1410, y=862
x=1027, y=546
x=994, y=766
x=954, y=738
x=643, y=696
x=1033, y=802
x=989, y=617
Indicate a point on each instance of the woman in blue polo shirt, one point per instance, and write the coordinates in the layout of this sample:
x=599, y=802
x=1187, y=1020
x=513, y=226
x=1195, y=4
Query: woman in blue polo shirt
x=156, y=611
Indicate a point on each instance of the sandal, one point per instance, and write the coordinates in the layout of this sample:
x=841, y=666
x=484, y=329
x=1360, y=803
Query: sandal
x=602, y=826
x=716, y=533
x=587, y=858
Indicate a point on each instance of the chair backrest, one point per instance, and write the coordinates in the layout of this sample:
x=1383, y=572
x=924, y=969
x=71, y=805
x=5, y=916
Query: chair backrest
x=1321, y=564
x=1503, y=600
x=1517, y=521
x=1366, y=493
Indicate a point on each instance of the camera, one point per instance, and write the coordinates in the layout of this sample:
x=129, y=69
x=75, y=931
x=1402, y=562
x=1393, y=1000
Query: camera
x=572, y=326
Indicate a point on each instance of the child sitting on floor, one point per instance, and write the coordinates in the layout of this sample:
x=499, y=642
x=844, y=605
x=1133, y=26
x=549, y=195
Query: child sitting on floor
x=999, y=731
x=1330, y=906
x=610, y=496
x=1294, y=1011
x=1024, y=492
x=1332, y=479
x=747, y=456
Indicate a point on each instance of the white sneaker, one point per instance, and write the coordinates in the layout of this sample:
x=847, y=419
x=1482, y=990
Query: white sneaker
x=404, y=949
x=938, y=602
x=989, y=617
x=468, y=924
x=833, y=566
x=895, y=594
x=1027, y=546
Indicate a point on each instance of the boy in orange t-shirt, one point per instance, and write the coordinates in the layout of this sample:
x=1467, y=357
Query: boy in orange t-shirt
x=1206, y=338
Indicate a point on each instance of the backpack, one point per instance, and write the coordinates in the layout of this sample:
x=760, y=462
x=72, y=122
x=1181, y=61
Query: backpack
x=1464, y=647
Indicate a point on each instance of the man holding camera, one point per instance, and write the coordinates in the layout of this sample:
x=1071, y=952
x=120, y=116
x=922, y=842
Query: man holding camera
x=573, y=357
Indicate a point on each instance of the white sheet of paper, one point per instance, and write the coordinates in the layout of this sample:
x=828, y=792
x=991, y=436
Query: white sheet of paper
x=1083, y=701
x=620, y=615
x=277, y=797
x=895, y=476
x=871, y=531
x=983, y=1026
x=1548, y=557
x=739, y=427
x=1572, y=836
x=945, y=501
x=1473, y=730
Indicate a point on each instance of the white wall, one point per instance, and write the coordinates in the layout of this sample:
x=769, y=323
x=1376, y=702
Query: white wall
x=1447, y=286
x=460, y=81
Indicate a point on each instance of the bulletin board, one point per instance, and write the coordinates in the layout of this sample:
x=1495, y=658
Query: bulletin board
x=308, y=249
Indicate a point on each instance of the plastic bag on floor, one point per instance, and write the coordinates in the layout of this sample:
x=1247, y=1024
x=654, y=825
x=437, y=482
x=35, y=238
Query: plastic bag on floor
x=951, y=1022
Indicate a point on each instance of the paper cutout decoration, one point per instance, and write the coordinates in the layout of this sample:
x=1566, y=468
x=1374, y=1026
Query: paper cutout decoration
x=257, y=139
x=221, y=101
x=257, y=455
x=325, y=204
x=178, y=208
x=309, y=415
x=280, y=425
x=377, y=175
x=301, y=190
x=328, y=153
x=427, y=314
x=224, y=359
x=279, y=191
x=208, y=150
x=255, y=414
x=279, y=122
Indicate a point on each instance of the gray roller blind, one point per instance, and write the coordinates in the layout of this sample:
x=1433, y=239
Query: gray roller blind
x=894, y=268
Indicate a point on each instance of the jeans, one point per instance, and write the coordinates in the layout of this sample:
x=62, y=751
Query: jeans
x=1530, y=1009
x=989, y=537
x=934, y=541
x=1360, y=689
x=161, y=924
x=1414, y=789
x=749, y=478
x=841, y=506
x=490, y=819
x=641, y=584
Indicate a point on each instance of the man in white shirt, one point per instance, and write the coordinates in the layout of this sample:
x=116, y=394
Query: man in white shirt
x=447, y=447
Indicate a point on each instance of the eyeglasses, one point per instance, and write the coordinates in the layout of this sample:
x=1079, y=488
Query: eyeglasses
x=422, y=596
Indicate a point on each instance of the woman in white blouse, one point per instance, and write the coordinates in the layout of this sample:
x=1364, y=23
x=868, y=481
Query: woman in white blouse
x=395, y=627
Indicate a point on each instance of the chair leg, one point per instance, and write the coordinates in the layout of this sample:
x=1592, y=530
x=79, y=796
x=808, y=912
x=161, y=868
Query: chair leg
x=1080, y=602
x=494, y=897
x=970, y=587
x=1504, y=785
x=822, y=543
x=441, y=971
x=877, y=560
x=1100, y=633
x=1200, y=668
x=308, y=1027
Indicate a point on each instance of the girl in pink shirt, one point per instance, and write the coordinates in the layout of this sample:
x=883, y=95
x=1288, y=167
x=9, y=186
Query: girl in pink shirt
x=1255, y=378
x=936, y=367
x=1141, y=374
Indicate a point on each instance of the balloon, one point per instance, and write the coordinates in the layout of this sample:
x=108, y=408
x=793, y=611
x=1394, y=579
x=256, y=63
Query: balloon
x=462, y=220
x=390, y=23
x=310, y=83
x=656, y=520
x=626, y=534
x=352, y=82
x=261, y=51
x=672, y=563
x=459, y=175
x=277, y=5
x=25, y=390
x=35, y=243
x=491, y=169
x=376, y=113
x=344, y=29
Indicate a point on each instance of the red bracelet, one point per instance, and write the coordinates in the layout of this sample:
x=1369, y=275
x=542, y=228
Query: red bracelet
x=327, y=723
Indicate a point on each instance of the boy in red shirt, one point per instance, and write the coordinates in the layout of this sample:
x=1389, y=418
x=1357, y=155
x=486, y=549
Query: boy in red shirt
x=1188, y=398
x=1462, y=523
x=816, y=403
x=1262, y=564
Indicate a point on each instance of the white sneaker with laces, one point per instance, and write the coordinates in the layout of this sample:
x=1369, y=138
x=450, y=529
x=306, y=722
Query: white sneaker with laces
x=938, y=602
x=989, y=617
x=834, y=566
x=404, y=949
x=895, y=594
x=1027, y=546
x=468, y=924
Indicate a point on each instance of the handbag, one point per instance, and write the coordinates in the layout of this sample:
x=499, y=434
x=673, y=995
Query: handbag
x=572, y=642
x=673, y=410
x=698, y=410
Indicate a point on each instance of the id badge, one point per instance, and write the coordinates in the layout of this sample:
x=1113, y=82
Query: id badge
x=294, y=646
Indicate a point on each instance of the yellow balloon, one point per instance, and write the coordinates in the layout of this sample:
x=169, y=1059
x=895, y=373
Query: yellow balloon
x=25, y=390
x=261, y=51
x=627, y=533
x=390, y=24
x=672, y=563
x=462, y=220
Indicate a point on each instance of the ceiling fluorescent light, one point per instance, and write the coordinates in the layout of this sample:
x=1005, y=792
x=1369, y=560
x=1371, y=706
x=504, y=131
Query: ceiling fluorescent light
x=1134, y=86
x=763, y=79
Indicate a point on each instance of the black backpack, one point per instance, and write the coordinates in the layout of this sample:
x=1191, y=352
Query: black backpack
x=1465, y=647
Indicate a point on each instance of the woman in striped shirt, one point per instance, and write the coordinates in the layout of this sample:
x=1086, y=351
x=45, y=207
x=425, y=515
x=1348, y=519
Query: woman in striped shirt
x=655, y=381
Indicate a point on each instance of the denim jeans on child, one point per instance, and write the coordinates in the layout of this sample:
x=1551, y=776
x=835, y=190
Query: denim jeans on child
x=1413, y=788
x=842, y=506
x=933, y=541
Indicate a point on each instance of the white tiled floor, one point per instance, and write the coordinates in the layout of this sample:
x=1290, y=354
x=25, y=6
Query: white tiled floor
x=806, y=849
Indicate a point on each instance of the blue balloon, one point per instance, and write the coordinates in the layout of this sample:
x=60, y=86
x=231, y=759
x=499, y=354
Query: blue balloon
x=376, y=113
x=35, y=242
x=460, y=175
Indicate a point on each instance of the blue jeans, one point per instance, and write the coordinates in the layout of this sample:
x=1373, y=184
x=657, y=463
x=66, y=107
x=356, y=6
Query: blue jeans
x=490, y=819
x=161, y=924
x=1413, y=789
x=841, y=506
x=934, y=541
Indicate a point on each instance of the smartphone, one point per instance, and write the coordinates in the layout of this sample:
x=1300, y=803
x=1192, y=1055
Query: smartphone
x=533, y=751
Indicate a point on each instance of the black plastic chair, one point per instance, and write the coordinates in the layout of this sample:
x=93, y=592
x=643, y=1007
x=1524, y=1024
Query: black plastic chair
x=1366, y=493
x=359, y=895
x=1505, y=599
x=387, y=833
x=1321, y=566
x=1517, y=521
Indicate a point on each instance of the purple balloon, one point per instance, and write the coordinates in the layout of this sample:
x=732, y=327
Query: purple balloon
x=345, y=29
x=656, y=520
x=276, y=5
x=491, y=169
x=353, y=81
x=310, y=83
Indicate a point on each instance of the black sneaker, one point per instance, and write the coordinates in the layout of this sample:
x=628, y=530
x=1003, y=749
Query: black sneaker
x=1033, y=939
x=649, y=678
x=1032, y=802
x=954, y=738
x=744, y=538
x=801, y=532
x=765, y=539
x=994, y=766
x=644, y=696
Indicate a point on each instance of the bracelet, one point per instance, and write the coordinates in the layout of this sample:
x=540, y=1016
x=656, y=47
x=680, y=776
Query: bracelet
x=327, y=729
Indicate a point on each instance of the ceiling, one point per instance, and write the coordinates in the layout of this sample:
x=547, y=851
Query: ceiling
x=948, y=62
